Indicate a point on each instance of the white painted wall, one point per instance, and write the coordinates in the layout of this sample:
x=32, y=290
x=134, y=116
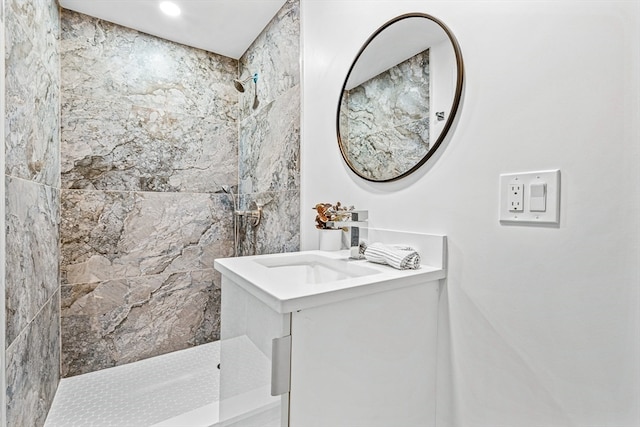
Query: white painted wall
x=443, y=75
x=544, y=321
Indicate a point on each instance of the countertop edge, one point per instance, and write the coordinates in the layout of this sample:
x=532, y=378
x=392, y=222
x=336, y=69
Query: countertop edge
x=314, y=300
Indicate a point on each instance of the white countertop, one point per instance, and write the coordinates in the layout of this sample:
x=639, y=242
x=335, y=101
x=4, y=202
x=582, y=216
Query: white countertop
x=285, y=292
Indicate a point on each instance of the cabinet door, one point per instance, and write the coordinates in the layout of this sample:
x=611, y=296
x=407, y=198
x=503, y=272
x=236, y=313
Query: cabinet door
x=247, y=348
x=368, y=361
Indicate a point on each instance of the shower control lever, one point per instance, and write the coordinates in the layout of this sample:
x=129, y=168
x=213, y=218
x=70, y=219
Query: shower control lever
x=255, y=215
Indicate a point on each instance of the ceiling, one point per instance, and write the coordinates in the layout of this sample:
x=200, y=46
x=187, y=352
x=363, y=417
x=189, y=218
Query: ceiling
x=225, y=27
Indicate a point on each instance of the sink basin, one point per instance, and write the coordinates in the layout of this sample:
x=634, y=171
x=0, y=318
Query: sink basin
x=305, y=269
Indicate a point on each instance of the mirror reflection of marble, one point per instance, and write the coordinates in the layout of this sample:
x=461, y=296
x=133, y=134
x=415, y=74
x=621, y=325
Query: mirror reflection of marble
x=399, y=98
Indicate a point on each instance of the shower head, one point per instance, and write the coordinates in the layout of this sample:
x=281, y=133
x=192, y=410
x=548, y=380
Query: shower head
x=239, y=84
x=227, y=189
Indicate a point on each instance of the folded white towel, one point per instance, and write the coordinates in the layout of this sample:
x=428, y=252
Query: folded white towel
x=397, y=256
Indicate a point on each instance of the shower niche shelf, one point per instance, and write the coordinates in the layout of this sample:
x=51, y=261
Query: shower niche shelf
x=312, y=339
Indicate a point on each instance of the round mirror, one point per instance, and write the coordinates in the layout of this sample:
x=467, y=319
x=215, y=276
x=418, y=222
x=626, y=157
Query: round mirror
x=400, y=97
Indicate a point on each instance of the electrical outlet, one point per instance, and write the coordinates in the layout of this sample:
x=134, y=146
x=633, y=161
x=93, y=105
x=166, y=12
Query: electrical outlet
x=515, y=197
x=541, y=204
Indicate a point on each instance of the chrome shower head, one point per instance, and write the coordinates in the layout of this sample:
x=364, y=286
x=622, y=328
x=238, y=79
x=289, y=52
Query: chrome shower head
x=239, y=84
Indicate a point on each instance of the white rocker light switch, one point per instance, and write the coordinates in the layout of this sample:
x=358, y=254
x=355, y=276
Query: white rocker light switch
x=538, y=197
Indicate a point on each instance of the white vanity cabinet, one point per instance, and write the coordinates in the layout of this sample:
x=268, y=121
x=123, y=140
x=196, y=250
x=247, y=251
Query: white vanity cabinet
x=355, y=347
x=368, y=362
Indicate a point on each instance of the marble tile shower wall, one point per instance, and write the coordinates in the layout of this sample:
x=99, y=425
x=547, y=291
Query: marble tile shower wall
x=269, y=136
x=32, y=208
x=149, y=137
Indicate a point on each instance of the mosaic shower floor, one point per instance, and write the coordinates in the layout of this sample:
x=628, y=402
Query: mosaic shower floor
x=172, y=390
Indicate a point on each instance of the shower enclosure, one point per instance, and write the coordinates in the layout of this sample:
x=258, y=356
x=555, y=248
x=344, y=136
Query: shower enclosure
x=151, y=132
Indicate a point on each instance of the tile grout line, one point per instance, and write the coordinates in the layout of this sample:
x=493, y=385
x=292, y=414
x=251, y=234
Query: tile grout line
x=143, y=276
x=28, y=325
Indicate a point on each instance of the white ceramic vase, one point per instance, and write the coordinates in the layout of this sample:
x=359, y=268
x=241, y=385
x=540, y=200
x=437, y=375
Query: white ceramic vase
x=330, y=239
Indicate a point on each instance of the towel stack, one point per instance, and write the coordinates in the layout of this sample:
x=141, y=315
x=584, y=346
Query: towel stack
x=397, y=256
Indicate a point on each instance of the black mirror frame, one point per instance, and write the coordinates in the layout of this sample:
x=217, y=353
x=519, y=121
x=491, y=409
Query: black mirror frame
x=454, y=106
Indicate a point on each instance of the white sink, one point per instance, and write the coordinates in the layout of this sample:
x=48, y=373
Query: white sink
x=312, y=268
x=293, y=281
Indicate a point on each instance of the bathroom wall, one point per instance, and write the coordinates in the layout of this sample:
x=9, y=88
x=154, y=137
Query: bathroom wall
x=32, y=208
x=366, y=131
x=543, y=322
x=269, y=136
x=149, y=138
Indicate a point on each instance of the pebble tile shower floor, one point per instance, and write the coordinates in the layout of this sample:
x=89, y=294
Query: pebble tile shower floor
x=181, y=386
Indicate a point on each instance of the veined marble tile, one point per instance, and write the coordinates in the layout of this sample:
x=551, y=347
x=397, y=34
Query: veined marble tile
x=41, y=20
x=32, y=218
x=113, y=235
x=269, y=136
x=275, y=56
x=270, y=146
x=279, y=230
x=115, y=322
x=115, y=145
x=105, y=61
x=32, y=82
x=33, y=368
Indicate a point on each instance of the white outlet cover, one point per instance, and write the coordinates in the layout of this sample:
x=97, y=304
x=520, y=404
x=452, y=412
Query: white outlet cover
x=550, y=216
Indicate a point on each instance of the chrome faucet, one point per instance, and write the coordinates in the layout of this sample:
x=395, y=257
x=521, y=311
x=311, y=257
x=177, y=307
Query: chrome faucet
x=358, y=220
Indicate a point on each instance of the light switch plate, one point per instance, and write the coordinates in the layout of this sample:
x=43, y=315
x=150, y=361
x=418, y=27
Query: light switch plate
x=531, y=214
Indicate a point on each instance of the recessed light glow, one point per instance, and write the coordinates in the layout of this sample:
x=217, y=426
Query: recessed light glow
x=170, y=8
